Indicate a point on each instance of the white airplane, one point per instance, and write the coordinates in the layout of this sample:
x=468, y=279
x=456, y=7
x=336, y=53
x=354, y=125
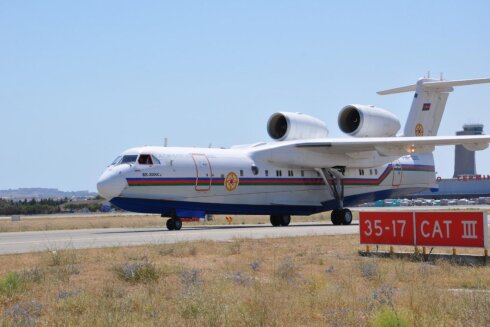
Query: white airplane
x=303, y=172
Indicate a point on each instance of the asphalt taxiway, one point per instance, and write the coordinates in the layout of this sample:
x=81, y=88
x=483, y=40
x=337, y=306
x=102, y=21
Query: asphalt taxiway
x=23, y=242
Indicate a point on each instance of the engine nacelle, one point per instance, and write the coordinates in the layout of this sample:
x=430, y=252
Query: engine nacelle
x=294, y=126
x=367, y=121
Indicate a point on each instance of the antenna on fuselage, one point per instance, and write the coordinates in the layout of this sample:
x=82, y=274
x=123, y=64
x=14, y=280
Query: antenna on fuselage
x=165, y=142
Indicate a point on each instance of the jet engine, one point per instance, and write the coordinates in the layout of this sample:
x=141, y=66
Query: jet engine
x=284, y=126
x=367, y=121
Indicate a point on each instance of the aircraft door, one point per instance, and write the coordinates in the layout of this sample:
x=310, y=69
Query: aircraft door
x=203, y=172
x=397, y=173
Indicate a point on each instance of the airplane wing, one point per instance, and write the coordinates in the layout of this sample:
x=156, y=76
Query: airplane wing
x=393, y=146
x=361, y=151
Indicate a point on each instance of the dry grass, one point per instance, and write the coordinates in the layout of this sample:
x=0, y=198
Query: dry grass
x=54, y=223
x=105, y=221
x=308, y=281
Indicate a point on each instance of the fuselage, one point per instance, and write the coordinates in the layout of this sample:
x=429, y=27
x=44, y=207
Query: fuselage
x=197, y=181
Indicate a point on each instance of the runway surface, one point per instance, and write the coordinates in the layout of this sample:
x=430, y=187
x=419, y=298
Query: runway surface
x=125, y=214
x=23, y=242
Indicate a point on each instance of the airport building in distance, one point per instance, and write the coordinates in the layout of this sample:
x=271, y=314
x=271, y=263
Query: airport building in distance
x=464, y=160
x=466, y=182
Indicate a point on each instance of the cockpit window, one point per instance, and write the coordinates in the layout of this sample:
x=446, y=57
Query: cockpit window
x=116, y=161
x=155, y=160
x=145, y=159
x=129, y=159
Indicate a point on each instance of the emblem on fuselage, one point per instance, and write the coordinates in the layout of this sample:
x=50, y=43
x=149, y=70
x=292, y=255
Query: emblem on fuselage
x=231, y=181
x=419, y=130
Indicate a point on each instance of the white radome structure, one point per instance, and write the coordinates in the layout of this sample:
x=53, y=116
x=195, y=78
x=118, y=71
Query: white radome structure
x=301, y=173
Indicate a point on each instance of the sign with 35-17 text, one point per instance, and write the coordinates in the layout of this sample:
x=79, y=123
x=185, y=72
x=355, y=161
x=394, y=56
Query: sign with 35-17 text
x=436, y=228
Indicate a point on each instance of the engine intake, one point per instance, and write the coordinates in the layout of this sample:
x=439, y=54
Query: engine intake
x=294, y=126
x=367, y=121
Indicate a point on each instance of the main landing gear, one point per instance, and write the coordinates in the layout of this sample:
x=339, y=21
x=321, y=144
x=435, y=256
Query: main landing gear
x=280, y=220
x=333, y=177
x=341, y=216
x=174, y=224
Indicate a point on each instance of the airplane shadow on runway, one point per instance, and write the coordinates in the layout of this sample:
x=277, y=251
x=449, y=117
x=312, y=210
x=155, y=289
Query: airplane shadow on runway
x=203, y=228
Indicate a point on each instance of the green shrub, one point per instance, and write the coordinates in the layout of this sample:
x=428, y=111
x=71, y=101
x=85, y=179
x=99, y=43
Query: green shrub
x=389, y=318
x=137, y=272
x=10, y=284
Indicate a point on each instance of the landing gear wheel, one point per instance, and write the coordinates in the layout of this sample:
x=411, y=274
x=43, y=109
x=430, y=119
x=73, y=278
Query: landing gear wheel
x=171, y=224
x=285, y=220
x=336, y=217
x=174, y=223
x=276, y=220
x=177, y=223
x=346, y=216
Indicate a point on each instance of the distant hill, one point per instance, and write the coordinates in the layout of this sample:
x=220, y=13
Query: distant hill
x=43, y=193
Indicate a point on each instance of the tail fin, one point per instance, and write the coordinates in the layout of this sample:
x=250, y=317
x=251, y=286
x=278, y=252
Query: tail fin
x=428, y=103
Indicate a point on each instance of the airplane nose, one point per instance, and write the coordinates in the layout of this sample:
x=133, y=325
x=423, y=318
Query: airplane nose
x=111, y=185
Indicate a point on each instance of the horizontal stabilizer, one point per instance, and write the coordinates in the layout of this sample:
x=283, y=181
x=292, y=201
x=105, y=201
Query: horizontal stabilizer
x=443, y=84
x=435, y=84
x=403, y=89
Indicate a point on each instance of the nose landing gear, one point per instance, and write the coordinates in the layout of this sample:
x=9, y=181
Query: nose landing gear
x=174, y=224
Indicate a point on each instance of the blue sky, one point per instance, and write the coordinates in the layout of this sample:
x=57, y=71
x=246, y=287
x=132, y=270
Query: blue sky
x=82, y=81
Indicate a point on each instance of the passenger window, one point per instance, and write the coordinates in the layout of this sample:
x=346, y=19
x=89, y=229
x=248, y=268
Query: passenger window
x=241, y=173
x=266, y=173
x=302, y=173
x=255, y=170
x=145, y=159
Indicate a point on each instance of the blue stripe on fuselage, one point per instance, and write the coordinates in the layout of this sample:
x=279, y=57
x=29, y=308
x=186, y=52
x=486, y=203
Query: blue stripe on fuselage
x=166, y=207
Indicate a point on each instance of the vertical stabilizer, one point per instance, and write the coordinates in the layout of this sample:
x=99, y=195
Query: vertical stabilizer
x=427, y=109
x=428, y=104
